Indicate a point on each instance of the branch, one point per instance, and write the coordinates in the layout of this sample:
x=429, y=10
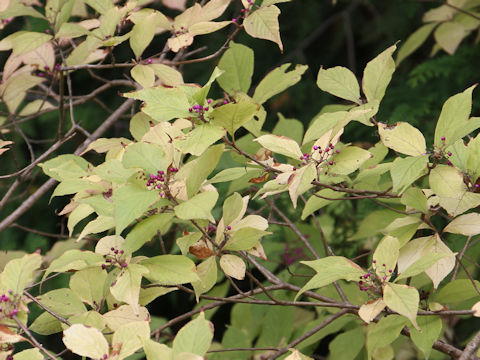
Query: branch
x=470, y=348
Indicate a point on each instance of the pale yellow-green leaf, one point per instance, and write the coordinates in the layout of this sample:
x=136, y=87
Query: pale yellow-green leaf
x=349, y=160
x=207, y=272
x=102, y=6
x=339, y=81
x=29, y=354
x=297, y=355
x=414, y=41
x=386, y=253
x=71, y=30
x=233, y=116
x=233, y=266
x=144, y=75
x=405, y=171
x=384, y=332
x=402, y=299
x=371, y=309
x=98, y=225
x=88, y=284
x=476, y=309
x=180, y=41
x=300, y=182
x=245, y=238
x=18, y=273
x=468, y=225
x=155, y=351
x=415, y=198
x=263, y=24
x=449, y=35
x=422, y=264
x=237, y=63
x=431, y=330
x=322, y=123
x=73, y=260
x=145, y=230
x=402, y=137
x=167, y=75
x=127, y=285
x=199, y=139
x=128, y=337
x=280, y=145
x=377, y=75
x=46, y=324
x=170, y=269
x=85, y=341
x=27, y=41
x=147, y=295
x=123, y=315
x=207, y=27
x=195, y=337
x=198, y=207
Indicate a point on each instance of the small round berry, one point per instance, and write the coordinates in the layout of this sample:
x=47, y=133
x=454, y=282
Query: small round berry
x=41, y=74
x=46, y=67
x=122, y=252
x=225, y=102
x=374, y=261
x=449, y=163
x=104, y=266
x=384, y=278
x=57, y=67
x=108, y=260
x=330, y=163
x=315, y=147
x=115, y=305
x=124, y=265
x=390, y=271
x=229, y=227
x=149, y=61
x=443, y=138
x=112, y=249
x=209, y=101
x=105, y=356
x=116, y=252
x=294, y=168
x=10, y=291
x=47, y=31
x=449, y=153
x=337, y=151
x=234, y=20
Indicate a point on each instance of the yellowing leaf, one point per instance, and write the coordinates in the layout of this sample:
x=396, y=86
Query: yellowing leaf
x=170, y=269
x=468, y=225
x=244, y=238
x=179, y=42
x=155, y=351
x=449, y=35
x=18, y=273
x=377, y=75
x=371, y=309
x=280, y=145
x=341, y=82
x=85, y=341
x=233, y=116
x=384, y=332
x=402, y=137
x=167, y=75
x=27, y=41
x=263, y=24
x=198, y=207
x=386, y=253
x=349, y=160
x=29, y=354
x=128, y=338
x=315, y=203
x=237, y=63
x=88, y=284
x=7, y=336
x=123, y=315
x=476, y=309
x=207, y=27
x=207, y=272
x=126, y=287
x=195, y=337
x=405, y=171
x=414, y=41
x=300, y=181
x=233, y=266
x=402, y=299
x=297, y=355
x=144, y=75
x=199, y=139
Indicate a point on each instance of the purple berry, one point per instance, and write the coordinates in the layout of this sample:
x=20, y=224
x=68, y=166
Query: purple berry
x=41, y=74
x=315, y=147
x=234, y=20
x=57, y=67
x=207, y=108
x=47, y=31
x=229, y=227
x=104, y=266
x=124, y=265
x=149, y=61
x=443, y=138
x=449, y=153
x=209, y=101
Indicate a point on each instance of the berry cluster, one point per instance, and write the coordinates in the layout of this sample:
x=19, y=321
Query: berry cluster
x=369, y=282
x=8, y=304
x=199, y=109
x=160, y=181
x=244, y=11
x=49, y=72
x=324, y=155
x=114, y=257
x=210, y=228
x=289, y=255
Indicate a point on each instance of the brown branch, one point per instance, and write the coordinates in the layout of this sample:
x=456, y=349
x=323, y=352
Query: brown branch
x=470, y=348
x=32, y=338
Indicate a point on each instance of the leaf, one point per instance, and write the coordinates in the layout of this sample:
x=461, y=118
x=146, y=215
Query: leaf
x=167, y=75
x=422, y=264
x=449, y=35
x=415, y=198
x=315, y=203
x=7, y=336
x=195, y=337
x=29, y=354
x=339, y=81
x=63, y=302
x=131, y=202
x=126, y=287
x=453, y=123
x=65, y=167
x=263, y=24
x=454, y=196
x=233, y=266
x=155, y=351
x=73, y=260
x=402, y=299
x=232, y=116
x=377, y=75
x=142, y=34
x=244, y=239
x=232, y=208
x=384, y=332
x=149, y=157
x=407, y=170
x=198, y=207
x=18, y=273
x=371, y=309
x=292, y=128
x=414, y=41
x=322, y=123
x=125, y=314
x=278, y=80
x=403, y=137
x=476, y=309
x=349, y=160
x=457, y=291
x=143, y=74
x=162, y=104
x=85, y=341
x=199, y=139
x=88, y=284
x=170, y=269
x=46, y=324
x=347, y=345
x=26, y=41
x=280, y=145
x=237, y=64
x=207, y=27
x=385, y=256
x=128, y=338
x=101, y=6
x=207, y=272
x=468, y=225
x=431, y=329
x=145, y=230
x=330, y=269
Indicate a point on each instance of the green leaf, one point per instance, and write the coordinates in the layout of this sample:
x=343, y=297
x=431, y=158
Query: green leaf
x=402, y=299
x=233, y=266
x=73, y=260
x=26, y=41
x=114, y=171
x=199, y=139
x=315, y=203
x=101, y=6
x=170, y=269
x=454, y=196
x=89, y=318
x=127, y=285
x=65, y=167
x=405, y=171
x=198, y=207
x=162, y=104
x=288, y=127
x=200, y=95
x=237, y=64
x=403, y=228
x=71, y=30
x=244, y=239
x=207, y=272
x=280, y=145
x=186, y=241
x=278, y=80
x=232, y=207
x=456, y=291
x=453, y=123
x=374, y=223
x=449, y=35
x=263, y=24
x=125, y=314
x=58, y=11
x=46, y=324
x=145, y=230
x=167, y=75
x=384, y=332
x=402, y=137
x=468, y=225
x=386, y=253
x=377, y=75
x=88, y=284
x=131, y=202
x=431, y=329
x=63, y=302
x=129, y=337
x=349, y=160
x=18, y=273
x=347, y=345
x=29, y=354
x=414, y=41
x=232, y=116
x=195, y=337
x=322, y=123
x=142, y=34
x=422, y=264
x=155, y=351
x=330, y=269
x=415, y=198
x=149, y=157
x=341, y=82
x=143, y=74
